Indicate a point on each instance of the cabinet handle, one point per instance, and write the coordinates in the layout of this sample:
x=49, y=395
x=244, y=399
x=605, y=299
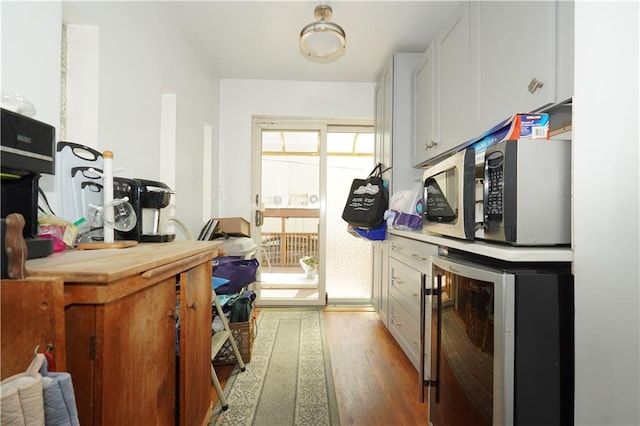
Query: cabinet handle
x=430, y=144
x=396, y=280
x=193, y=305
x=394, y=322
x=173, y=315
x=534, y=85
x=394, y=247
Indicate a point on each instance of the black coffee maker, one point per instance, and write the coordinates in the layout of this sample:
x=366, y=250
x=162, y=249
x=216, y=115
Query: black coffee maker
x=28, y=148
x=148, y=198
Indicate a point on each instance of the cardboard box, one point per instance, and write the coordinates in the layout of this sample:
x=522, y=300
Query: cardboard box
x=519, y=126
x=234, y=226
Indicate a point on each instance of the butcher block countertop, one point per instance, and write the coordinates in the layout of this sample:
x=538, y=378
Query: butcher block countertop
x=101, y=276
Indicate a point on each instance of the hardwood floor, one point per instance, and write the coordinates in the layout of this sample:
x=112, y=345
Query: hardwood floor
x=375, y=382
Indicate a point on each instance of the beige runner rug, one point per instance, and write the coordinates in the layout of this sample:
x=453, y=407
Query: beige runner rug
x=289, y=379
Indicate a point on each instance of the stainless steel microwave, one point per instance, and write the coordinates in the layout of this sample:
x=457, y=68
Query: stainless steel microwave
x=527, y=192
x=449, y=196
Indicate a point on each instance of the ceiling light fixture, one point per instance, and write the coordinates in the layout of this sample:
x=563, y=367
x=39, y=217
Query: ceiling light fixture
x=322, y=40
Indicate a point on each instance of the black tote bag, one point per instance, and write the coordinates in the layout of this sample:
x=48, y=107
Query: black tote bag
x=368, y=200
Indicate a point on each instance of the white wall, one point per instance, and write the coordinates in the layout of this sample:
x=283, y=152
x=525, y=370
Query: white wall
x=240, y=100
x=31, y=55
x=142, y=55
x=606, y=219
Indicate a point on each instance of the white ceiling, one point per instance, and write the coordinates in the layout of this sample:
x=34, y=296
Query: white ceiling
x=259, y=39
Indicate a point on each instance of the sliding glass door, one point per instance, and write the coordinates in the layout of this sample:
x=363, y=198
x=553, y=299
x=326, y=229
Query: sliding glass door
x=302, y=173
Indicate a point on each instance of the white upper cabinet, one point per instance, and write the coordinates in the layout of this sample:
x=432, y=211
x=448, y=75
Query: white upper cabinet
x=492, y=60
x=383, y=107
x=394, y=114
x=443, y=90
x=424, y=142
x=453, y=93
x=516, y=41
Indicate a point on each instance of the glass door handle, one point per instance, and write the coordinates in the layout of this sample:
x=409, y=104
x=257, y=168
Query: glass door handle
x=259, y=220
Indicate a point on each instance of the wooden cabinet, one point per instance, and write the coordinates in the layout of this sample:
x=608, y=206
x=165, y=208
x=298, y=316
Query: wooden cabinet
x=195, y=344
x=120, y=322
x=31, y=316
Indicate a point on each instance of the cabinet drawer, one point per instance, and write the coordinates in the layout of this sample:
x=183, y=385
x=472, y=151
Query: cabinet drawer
x=404, y=285
x=405, y=329
x=412, y=252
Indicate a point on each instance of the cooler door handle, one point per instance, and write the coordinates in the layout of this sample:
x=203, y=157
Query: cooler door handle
x=435, y=375
x=423, y=327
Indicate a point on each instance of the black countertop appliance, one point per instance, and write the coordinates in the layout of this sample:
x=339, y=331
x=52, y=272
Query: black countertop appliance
x=27, y=150
x=148, y=198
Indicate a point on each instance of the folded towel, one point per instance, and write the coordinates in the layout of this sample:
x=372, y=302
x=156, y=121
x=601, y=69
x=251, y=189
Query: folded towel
x=22, y=400
x=59, y=400
x=38, y=398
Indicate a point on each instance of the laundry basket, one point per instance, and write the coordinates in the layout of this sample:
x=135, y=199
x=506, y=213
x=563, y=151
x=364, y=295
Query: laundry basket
x=244, y=333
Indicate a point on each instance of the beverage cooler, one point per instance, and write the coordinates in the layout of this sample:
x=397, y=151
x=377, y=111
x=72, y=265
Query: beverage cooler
x=502, y=346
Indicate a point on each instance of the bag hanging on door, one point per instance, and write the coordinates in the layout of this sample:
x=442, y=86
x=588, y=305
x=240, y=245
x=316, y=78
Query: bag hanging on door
x=368, y=200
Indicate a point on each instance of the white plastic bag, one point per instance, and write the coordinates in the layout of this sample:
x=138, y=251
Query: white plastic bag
x=407, y=208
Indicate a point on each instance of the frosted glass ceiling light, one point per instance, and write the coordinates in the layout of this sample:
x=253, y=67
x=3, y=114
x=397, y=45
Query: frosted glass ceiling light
x=322, y=40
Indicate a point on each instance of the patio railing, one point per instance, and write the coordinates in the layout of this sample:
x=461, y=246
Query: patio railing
x=286, y=249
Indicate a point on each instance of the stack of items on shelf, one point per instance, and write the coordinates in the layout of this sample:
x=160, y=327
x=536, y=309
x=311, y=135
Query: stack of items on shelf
x=236, y=266
x=231, y=274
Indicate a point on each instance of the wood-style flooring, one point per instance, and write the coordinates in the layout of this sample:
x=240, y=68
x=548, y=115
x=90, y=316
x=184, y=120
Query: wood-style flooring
x=375, y=382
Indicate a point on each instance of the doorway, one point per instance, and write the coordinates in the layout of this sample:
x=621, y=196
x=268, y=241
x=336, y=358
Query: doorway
x=302, y=173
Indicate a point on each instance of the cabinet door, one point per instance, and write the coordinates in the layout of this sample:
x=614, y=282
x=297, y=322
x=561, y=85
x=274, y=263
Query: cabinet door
x=195, y=345
x=405, y=329
x=380, y=280
x=376, y=276
x=384, y=283
x=517, y=48
x=383, y=117
x=405, y=285
x=454, y=77
x=379, y=120
x=31, y=314
x=425, y=139
x=137, y=369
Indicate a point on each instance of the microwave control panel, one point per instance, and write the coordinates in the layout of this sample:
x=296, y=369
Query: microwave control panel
x=494, y=187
